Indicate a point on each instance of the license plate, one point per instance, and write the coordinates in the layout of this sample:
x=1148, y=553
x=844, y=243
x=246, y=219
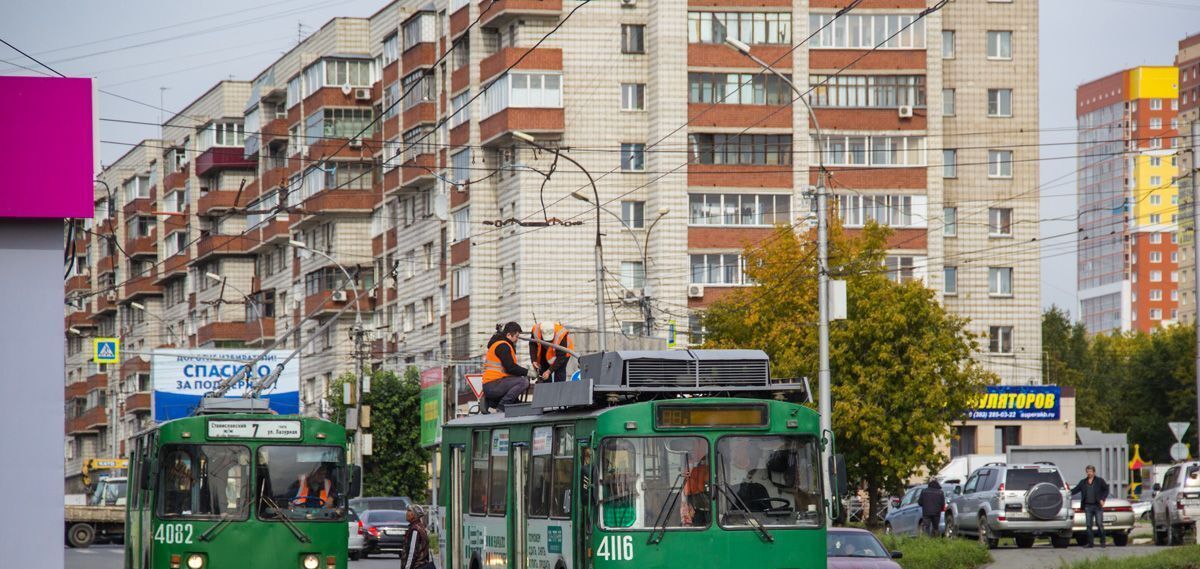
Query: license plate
x=1110, y=519
x=394, y=531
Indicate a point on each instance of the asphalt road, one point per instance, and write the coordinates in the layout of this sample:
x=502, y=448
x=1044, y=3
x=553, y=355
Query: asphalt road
x=1043, y=555
x=110, y=557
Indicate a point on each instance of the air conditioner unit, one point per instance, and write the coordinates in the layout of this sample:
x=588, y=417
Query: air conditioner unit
x=906, y=112
x=362, y=94
x=632, y=296
x=338, y=296
x=372, y=293
x=111, y=296
x=629, y=2
x=695, y=291
x=355, y=143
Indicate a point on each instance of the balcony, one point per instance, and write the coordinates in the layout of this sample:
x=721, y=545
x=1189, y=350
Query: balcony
x=273, y=178
x=222, y=331
x=273, y=232
x=215, y=202
x=276, y=129
x=142, y=246
x=176, y=221
x=105, y=302
x=418, y=56
x=134, y=364
x=78, y=283
x=77, y=390
x=89, y=421
x=459, y=21
x=259, y=331
x=540, y=59
x=79, y=319
x=224, y=245
x=313, y=301
x=504, y=10
x=418, y=170
x=220, y=158
x=532, y=121
x=140, y=205
x=96, y=381
x=175, y=266
x=138, y=403
x=175, y=180
x=105, y=264
x=144, y=285
x=339, y=201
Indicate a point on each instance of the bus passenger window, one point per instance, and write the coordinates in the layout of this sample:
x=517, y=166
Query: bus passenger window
x=497, y=490
x=480, y=449
x=564, y=461
x=539, y=473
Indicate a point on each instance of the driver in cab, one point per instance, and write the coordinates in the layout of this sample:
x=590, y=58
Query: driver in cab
x=313, y=490
x=749, y=477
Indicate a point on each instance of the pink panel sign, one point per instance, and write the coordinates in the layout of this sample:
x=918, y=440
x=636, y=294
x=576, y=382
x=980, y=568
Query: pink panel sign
x=47, y=144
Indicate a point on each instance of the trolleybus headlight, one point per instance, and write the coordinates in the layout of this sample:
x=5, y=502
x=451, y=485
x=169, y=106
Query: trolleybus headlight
x=195, y=561
x=310, y=561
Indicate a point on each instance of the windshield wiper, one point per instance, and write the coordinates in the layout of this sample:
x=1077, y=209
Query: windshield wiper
x=296, y=531
x=213, y=530
x=732, y=496
x=673, y=494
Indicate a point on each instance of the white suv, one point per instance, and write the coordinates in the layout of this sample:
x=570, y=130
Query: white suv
x=1176, y=503
x=1022, y=501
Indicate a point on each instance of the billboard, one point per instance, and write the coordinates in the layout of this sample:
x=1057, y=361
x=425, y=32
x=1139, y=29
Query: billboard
x=180, y=379
x=1017, y=402
x=431, y=406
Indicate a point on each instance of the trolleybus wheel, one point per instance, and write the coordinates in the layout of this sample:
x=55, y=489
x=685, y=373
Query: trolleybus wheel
x=81, y=535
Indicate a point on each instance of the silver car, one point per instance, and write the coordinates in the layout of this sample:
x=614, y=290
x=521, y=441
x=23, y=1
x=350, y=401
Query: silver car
x=1022, y=501
x=904, y=514
x=357, y=541
x=1118, y=521
x=1176, y=503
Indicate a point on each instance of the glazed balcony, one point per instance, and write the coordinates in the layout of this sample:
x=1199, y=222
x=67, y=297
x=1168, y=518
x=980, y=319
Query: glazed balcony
x=145, y=285
x=77, y=390
x=313, y=301
x=142, y=246
x=224, y=246
x=273, y=178
x=138, y=403
x=273, y=232
x=176, y=221
x=540, y=59
x=176, y=180
x=494, y=129
x=339, y=201
x=140, y=205
x=78, y=283
x=222, y=331
x=418, y=170
x=105, y=302
x=175, y=266
x=96, y=381
x=134, y=364
x=259, y=331
x=221, y=158
x=505, y=10
x=276, y=129
x=216, y=202
x=89, y=421
x=79, y=319
x=417, y=57
x=106, y=264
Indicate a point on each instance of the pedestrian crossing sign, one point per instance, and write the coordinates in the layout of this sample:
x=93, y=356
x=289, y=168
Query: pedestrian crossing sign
x=107, y=351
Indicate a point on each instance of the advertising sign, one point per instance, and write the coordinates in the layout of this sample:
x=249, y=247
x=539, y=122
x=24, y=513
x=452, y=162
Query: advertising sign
x=182, y=377
x=431, y=406
x=1017, y=402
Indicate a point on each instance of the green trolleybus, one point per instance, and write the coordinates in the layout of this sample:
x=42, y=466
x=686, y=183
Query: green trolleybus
x=239, y=490
x=673, y=459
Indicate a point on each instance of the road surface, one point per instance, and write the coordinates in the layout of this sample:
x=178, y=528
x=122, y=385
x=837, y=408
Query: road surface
x=110, y=557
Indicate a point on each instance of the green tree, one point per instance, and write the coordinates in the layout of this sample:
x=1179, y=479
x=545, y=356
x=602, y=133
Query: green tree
x=902, y=365
x=397, y=465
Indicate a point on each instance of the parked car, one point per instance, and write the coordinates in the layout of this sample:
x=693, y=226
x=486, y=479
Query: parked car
x=904, y=514
x=357, y=538
x=383, y=531
x=1022, y=501
x=1141, y=508
x=848, y=548
x=365, y=504
x=1118, y=521
x=1176, y=503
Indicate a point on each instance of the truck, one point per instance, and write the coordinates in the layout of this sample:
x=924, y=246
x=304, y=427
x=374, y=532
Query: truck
x=102, y=516
x=956, y=471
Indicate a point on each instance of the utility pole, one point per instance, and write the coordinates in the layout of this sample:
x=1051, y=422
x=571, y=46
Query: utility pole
x=360, y=356
x=1193, y=170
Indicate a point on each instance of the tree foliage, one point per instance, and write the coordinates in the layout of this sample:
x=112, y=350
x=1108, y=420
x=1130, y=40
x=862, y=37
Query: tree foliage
x=397, y=465
x=902, y=370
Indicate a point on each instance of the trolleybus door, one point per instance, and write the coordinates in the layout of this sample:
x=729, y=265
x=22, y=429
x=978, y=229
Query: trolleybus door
x=583, y=519
x=455, y=517
x=519, y=525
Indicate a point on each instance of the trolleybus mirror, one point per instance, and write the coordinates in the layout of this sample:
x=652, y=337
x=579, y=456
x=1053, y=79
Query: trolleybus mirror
x=355, y=475
x=841, y=482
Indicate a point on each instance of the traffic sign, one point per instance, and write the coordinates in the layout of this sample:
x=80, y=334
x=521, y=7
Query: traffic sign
x=1179, y=451
x=1179, y=429
x=475, y=381
x=106, y=351
x=671, y=341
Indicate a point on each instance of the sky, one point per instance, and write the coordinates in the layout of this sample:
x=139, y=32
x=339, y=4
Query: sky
x=165, y=54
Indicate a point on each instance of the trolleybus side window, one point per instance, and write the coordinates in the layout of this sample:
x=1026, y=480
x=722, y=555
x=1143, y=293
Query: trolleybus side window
x=497, y=489
x=542, y=448
x=204, y=481
x=301, y=482
x=551, y=472
x=654, y=481
x=480, y=451
x=564, y=463
x=774, y=480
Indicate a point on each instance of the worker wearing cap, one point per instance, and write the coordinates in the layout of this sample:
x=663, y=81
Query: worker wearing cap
x=504, y=382
x=549, y=362
x=416, y=541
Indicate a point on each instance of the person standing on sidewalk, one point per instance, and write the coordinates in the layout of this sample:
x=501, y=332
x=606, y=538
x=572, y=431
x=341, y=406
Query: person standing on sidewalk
x=933, y=503
x=416, y=541
x=1093, y=492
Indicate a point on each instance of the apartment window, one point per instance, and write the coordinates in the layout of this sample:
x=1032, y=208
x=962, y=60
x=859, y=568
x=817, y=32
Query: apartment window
x=892, y=210
x=140, y=226
x=873, y=150
x=1000, y=339
x=1156, y=314
x=427, y=254
x=633, y=38
x=347, y=176
x=999, y=102
x=718, y=269
x=419, y=29
x=461, y=283
x=1174, y=295
x=999, y=45
x=750, y=28
x=337, y=73
x=460, y=223
x=1155, y=180
x=867, y=31
x=523, y=90
x=947, y=44
x=633, y=213
x=1000, y=281
x=900, y=268
x=1155, y=124
x=223, y=134
x=391, y=100
x=1156, y=238
x=1155, y=218
x=293, y=92
x=950, y=280
x=633, y=157
x=137, y=188
x=410, y=317
x=1155, y=143
x=738, y=89
x=1155, y=199
x=875, y=91
x=633, y=96
x=1155, y=161
x=175, y=242
x=1156, y=276
x=633, y=275
x=1000, y=163
x=633, y=328
x=1156, y=294
x=1174, y=256
x=1156, y=104
x=460, y=166
x=739, y=209
x=460, y=111
x=747, y=149
x=338, y=123
x=1000, y=222
x=949, y=106
x=391, y=49
x=427, y=309
x=949, y=163
x=1174, y=276
x=950, y=222
x=418, y=87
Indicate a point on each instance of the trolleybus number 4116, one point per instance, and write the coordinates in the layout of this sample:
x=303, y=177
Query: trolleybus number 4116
x=173, y=533
x=616, y=548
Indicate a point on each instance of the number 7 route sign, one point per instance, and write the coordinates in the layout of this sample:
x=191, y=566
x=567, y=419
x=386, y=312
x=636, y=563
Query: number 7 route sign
x=106, y=351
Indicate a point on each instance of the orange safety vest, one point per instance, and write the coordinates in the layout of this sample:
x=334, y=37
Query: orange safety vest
x=303, y=493
x=493, y=369
x=560, y=337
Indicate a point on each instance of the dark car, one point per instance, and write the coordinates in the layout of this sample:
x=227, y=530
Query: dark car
x=383, y=531
x=857, y=548
x=368, y=503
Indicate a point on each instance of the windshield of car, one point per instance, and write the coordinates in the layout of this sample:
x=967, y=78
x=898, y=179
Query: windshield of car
x=362, y=504
x=654, y=481
x=854, y=544
x=1025, y=478
x=380, y=517
x=301, y=482
x=204, y=481
x=771, y=479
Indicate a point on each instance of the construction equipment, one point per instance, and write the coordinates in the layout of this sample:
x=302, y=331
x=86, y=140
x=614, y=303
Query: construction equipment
x=103, y=518
x=113, y=466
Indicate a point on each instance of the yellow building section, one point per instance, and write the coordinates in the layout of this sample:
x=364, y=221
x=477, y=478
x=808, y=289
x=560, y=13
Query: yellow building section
x=1155, y=195
x=1153, y=82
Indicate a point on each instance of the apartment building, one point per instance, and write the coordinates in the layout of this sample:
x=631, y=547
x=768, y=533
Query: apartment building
x=1128, y=251
x=396, y=148
x=1187, y=61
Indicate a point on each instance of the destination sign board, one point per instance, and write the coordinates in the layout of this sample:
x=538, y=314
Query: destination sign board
x=285, y=430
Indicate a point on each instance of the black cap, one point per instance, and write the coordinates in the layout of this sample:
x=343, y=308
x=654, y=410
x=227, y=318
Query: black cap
x=512, y=328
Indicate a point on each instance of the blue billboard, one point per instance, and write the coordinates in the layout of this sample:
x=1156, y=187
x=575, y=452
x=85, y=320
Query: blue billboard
x=1018, y=402
x=182, y=377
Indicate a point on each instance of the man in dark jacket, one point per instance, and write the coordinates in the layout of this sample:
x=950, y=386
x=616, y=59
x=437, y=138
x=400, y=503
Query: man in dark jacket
x=504, y=382
x=1093, y=492
x=416, y=541
x=932, y=502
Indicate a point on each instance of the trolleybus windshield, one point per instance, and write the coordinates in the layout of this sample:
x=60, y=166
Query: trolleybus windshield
x=300, y=483
x=654, y=482
x=205, y=481
x=773, y=480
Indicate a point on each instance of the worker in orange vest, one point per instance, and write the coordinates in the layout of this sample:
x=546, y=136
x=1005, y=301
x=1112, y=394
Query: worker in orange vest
x=313, y=490
x=551, y=364
x=504, y=382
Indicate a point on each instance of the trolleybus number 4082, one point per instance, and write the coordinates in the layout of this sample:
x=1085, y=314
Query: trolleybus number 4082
x=174, y=534
x=616, y=548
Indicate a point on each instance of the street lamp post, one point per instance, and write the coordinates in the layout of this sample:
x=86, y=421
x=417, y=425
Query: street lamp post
x=253, y=304
x=599, y=253
x=825, y=399
x=170, y=329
